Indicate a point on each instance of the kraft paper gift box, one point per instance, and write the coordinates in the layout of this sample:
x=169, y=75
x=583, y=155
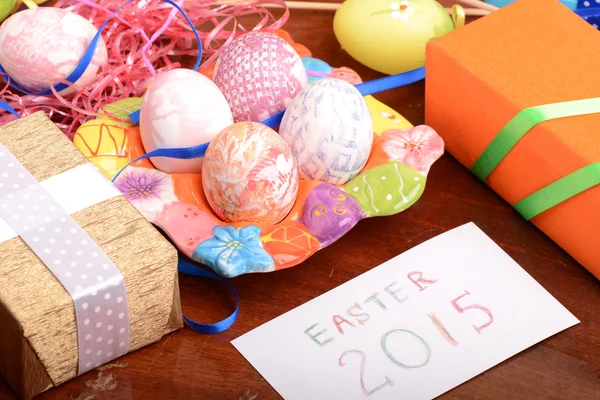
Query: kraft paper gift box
x=527, y=54
x=39, y=332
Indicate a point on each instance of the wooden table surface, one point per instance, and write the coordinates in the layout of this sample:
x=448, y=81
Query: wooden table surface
x=188, y=365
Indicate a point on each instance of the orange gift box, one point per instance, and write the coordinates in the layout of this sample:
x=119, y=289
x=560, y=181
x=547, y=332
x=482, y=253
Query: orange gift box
x=529, y=53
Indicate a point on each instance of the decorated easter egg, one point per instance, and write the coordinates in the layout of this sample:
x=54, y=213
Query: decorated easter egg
x=387, y=189
x=316, y=69
x=260, y=74
x=329, y=129
x=390, y=36
x=329, y=213
x=103, y=141
x=182, y=108
x=6, y=7
x=40, y=47
x=250, y=175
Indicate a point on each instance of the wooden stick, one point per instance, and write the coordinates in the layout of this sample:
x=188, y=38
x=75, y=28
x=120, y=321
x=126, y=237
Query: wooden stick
x=479, y=4
x=308, y=5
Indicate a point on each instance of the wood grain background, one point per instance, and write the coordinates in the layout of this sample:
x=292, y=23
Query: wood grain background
x=187, y=365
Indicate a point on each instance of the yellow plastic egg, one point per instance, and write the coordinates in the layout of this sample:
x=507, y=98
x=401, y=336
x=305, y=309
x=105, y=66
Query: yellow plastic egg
x=6, y=7
x=104, y=142
x=389, y=36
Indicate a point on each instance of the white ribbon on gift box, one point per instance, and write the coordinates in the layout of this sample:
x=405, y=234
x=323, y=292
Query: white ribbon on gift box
x=75, y=189
x=40, y=213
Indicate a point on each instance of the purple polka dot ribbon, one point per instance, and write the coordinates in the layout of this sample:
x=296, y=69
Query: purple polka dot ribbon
x=93, y=281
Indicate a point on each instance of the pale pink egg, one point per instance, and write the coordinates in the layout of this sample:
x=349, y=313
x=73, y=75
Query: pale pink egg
x=250, y=174
x=182, y=108
x=40, y=47
x=260, y=74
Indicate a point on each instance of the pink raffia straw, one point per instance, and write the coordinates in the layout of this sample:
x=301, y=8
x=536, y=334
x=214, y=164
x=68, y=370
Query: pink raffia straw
x=144, y=40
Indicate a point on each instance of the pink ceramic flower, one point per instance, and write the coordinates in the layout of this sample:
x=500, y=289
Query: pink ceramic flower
x=417, y=147
x=149, y=190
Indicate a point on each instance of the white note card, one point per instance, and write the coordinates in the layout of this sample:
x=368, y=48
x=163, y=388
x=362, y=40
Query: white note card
x=413, y=327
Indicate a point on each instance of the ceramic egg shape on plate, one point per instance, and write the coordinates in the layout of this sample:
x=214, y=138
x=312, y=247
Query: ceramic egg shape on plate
x=182, y=108
x=329, y=129
x=260, y=74
x=40, y=47
x=249, y=175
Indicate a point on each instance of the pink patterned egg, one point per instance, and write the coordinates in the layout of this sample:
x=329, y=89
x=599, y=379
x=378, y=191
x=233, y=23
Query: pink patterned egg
x=260, y=74
x=40, y=47
x=182, y=108
x=250, y=175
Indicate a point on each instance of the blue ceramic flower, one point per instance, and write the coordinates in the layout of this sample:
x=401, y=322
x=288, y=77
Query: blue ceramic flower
x=232, y=252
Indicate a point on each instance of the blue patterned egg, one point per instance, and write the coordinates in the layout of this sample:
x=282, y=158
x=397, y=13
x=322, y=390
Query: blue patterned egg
x=316, y=69
x=329, y=129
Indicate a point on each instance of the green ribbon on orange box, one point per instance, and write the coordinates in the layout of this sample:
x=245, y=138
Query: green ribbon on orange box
x=558, y=191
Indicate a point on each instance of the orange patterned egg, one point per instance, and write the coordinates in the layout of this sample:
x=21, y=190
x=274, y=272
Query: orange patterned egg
x=249, y=174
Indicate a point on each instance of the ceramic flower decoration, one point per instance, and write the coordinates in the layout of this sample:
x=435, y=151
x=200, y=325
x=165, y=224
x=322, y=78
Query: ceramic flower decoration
x=233, y=252
x=417, y=147
x=149, y=190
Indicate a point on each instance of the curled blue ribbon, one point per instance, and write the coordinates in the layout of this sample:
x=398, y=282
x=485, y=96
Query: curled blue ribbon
x=188, y=268
x=89, y=53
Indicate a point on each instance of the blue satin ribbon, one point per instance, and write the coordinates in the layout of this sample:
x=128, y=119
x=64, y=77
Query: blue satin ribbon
x=5, y=106
x=369, y=88
x=188, y=268
x=366, y=89
x=89, y=53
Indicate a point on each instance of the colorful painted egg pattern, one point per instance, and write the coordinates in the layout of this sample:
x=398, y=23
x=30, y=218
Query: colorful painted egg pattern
x=104, y=141
x=387, y=189
x=182, y=108
x=329, y=129
x=316, y=69
x=329, y=213
x=250, y=175
x=42, y=46
x=289, y=243
x=259, y=73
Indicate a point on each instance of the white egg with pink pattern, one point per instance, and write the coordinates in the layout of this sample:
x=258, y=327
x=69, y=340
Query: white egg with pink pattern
x=40, y=47
x=182, y=108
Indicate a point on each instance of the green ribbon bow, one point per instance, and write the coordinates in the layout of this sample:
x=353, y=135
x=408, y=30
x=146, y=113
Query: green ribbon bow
x=558, y=191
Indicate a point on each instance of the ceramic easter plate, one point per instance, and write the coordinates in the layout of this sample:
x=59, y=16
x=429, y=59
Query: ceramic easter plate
x=392, y=180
